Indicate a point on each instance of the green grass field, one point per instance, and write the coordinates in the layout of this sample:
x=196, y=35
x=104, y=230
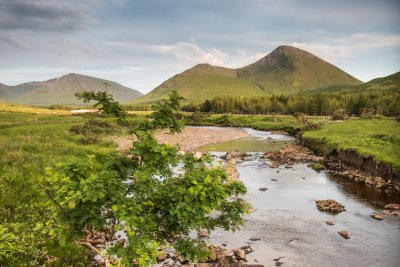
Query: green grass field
x=19, y=108
x=379, y=138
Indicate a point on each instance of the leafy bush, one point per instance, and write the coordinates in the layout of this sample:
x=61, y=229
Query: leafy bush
x=143, y=195
x=196, y=117
x=339, y=114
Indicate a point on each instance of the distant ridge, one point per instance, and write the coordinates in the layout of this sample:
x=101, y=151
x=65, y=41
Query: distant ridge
x=286, y=70
x=389, y=82
x=62, y=90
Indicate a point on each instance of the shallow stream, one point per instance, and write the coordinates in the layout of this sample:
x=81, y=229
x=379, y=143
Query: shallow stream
x=288, y=222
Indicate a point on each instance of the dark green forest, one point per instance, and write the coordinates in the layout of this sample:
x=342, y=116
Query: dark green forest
x=382, y=102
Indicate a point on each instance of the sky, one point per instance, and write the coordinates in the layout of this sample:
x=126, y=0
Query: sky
x=141, y=43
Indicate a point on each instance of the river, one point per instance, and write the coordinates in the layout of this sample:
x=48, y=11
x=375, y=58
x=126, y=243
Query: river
x=288, y=223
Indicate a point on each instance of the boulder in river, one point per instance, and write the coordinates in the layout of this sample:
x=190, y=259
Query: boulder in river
x=234, y=154
x=329, y=223
x=377, y=216
x=329, y=205
x=203, y=233
x=344, y=234
x=247, y=249
x=263, y=189
x=240, y=254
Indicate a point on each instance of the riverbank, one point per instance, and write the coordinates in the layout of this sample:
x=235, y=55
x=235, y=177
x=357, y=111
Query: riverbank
x=365, y=151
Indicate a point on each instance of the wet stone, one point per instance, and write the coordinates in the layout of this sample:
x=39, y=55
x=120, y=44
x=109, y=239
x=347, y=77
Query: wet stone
x=329, y=205
x=344, y=234
x=263, y=189
x=203, y=233
x=329, y=223
x=377, y=216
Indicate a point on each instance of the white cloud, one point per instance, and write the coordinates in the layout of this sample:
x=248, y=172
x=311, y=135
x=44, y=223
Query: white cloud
x=190, y=54
x=333, y=48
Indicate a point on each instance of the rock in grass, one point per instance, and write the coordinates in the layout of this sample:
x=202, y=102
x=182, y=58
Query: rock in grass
x=329, y=205
x=344, y=234
x=377, y=216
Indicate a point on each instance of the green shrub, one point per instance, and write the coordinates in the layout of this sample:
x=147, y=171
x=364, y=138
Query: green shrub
x=224, y=120
x=339, y=114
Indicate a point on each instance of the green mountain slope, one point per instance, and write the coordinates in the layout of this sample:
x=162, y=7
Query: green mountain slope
x=285, y=70
x=202, y=82
x=389, y=82
x=288, y=69
x=62, y=90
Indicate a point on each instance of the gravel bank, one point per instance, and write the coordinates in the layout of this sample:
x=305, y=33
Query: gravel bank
x=194, y=137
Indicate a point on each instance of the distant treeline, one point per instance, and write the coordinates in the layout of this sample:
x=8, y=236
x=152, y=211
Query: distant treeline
x=384, y=102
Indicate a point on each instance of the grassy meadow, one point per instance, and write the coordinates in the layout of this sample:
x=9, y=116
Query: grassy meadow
x=379, y=138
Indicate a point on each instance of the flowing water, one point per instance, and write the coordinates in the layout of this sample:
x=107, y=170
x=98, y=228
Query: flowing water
x=290, y=226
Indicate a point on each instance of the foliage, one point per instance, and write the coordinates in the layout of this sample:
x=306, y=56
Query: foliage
x=157, y=196
x=206, y=106
x=195, y=118
x=189, y=108
x=385, y=102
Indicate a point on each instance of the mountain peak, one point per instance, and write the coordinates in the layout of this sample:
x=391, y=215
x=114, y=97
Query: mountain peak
x=288, y=69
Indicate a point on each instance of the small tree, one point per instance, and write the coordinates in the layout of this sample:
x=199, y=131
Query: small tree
x=206, y=106
x=156, y=196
